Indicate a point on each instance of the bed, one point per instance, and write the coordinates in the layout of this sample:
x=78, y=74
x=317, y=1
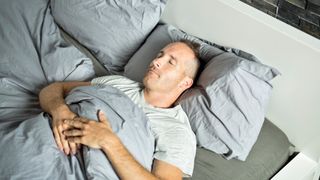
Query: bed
x=46, y=41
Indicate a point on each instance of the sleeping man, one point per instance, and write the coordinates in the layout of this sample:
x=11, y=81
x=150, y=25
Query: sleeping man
x=169, y=75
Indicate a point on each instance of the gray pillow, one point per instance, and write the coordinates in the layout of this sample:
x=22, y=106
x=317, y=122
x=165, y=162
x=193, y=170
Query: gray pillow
x=226, y=108
x=111, y=30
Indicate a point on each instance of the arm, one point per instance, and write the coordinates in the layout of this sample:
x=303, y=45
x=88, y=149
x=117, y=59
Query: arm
x=52, y=97
x=99, y=135
x=127, y=167
x=52, y=101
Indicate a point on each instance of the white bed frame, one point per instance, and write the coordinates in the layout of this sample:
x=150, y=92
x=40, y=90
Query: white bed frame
x=295, y=103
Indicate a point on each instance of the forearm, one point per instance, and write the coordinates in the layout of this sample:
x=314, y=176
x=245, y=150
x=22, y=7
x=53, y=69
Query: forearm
x=52, y=98
x=124, y=163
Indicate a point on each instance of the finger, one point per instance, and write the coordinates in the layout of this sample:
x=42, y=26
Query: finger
x=64, y=142
x=66, y=127
x=102, y=118
x=73, y=132
x=74, y=123
x=81, y=119
x=74, y=139
x=57, y=138
x=73, y=148
x=78, y=146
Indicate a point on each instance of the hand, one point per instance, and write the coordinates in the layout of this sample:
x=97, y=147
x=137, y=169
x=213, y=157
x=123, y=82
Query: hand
x=58, y=127
x=91, y=133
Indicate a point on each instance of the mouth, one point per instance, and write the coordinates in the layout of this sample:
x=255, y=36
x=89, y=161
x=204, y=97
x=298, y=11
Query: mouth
x=151, y=71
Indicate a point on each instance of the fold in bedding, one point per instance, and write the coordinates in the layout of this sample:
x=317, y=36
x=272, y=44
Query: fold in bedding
x=28, y=149
x=33, y=55
x=127, y=120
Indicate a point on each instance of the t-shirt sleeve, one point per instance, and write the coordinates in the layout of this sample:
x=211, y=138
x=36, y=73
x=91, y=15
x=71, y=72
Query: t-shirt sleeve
x=122, y=83
x=112, y=80
x=177, y=147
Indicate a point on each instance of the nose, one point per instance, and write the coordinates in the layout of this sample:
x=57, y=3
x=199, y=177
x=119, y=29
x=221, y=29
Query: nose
x=156, y=63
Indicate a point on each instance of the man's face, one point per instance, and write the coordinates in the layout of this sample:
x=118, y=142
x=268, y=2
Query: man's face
x=167, y=71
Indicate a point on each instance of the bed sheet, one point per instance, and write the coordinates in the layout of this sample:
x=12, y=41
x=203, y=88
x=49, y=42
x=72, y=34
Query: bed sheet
x=32, y=55
x=267, y=157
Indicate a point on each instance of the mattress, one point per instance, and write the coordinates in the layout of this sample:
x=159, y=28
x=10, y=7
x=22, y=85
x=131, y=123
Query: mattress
x=268, y=155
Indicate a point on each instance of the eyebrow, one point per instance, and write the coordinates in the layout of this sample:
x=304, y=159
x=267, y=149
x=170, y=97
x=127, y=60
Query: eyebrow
x=172, y=57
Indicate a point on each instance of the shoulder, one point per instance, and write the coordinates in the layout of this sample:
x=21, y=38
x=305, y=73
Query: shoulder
x=113, y=79
x=117, y=81
x=129, y=87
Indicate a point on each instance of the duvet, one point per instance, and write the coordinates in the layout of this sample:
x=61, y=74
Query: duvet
x=33, y=55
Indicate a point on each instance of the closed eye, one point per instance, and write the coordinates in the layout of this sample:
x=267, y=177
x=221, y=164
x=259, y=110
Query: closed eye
x=160, y=54
x=172, y=62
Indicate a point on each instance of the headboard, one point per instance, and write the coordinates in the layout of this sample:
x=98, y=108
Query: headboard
x=295, y=103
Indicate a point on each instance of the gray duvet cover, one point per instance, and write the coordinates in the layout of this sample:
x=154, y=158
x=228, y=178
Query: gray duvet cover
x=32, y=55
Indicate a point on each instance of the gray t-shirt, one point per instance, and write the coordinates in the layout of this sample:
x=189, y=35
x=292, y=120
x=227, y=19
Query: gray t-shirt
x=175, y=140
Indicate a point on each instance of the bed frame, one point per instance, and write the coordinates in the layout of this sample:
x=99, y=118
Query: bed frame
x=294, y=105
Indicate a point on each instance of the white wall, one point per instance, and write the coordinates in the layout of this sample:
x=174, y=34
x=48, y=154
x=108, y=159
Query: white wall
x=295, y=103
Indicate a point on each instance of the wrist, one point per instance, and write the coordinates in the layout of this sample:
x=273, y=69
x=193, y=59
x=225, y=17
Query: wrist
x=61, y=109
x=110, y=143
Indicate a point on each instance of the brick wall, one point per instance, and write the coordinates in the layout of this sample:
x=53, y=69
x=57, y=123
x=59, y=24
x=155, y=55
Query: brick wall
x=302, y=14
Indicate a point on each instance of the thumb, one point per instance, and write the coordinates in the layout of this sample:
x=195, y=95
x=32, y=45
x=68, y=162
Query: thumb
x=102, y=118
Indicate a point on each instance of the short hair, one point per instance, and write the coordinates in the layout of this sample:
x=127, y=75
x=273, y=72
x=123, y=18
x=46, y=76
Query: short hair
x=192, y=67
x=195, y=47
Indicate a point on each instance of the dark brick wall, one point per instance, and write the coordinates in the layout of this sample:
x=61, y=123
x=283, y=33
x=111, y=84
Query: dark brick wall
x=302, y=14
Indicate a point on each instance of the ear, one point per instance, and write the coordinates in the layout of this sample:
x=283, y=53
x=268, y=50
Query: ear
x=186, y=83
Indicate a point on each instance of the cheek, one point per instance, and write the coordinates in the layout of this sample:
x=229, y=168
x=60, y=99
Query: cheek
x=174, y=75
x=171, y=79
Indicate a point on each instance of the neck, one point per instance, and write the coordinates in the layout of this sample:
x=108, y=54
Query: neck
x=160, y=99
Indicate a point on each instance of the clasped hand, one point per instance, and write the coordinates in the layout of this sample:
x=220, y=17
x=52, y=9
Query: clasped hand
x=88, y=132
x=70, y=131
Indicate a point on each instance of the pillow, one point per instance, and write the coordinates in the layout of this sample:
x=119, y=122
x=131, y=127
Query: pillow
x=98, y=68
x=226, y=108
x=111, y=30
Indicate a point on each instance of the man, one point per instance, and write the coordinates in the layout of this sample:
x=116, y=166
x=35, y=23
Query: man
x=168, y=76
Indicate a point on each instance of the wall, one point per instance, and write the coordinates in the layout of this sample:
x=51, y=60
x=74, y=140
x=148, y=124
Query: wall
x=295, y=103
x=301, y=14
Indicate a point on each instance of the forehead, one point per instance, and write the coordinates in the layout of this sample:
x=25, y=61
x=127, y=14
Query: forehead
x=179, y=51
